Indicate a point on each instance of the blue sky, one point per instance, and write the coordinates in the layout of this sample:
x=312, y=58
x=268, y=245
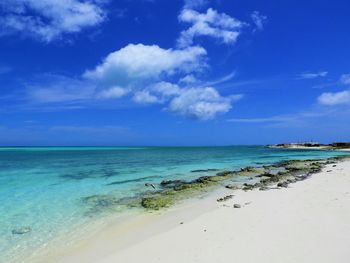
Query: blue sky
x=157, y=72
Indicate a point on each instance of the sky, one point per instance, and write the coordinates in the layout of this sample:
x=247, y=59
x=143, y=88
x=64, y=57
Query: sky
x=176, y=73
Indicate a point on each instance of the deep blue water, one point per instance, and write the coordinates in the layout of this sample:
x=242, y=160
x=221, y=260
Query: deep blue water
x=42, y=188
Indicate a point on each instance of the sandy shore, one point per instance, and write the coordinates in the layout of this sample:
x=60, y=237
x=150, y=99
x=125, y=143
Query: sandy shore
x=307, y=222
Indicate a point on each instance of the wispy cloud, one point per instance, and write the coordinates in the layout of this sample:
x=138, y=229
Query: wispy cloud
x=196, y=3
x=5, y=69
x=339, y=97
x=287, y=120
x=51, y=88
x=310, y=75
x=345, y=79
x=259, y=20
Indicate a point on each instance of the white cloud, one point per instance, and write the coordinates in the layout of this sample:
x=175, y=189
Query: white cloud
x=139, y=62
x=200, y=103
x=48, y=20
x=334, y=98
x=213, y=24
x=345, y=79
x=313, y=75
x=259, y=20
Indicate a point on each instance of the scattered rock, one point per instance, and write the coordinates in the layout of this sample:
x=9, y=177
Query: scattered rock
x=236, y=206
x=225, y=198
x=248, y=187
x=291, y=181
x=248, y=169
x=263, y=188
x=233, y=186
x=282, y=184
x=21, y=230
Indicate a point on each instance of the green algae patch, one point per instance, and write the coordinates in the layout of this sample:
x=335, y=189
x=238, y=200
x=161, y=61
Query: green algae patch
x=157, y=202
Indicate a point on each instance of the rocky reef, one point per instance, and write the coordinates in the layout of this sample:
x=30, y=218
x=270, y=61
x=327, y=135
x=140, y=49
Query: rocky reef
x=169, y=192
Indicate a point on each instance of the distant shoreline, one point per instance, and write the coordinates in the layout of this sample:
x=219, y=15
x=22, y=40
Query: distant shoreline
x=310, y=146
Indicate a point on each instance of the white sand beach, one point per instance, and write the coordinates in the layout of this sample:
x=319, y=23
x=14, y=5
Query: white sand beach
x=307, y=222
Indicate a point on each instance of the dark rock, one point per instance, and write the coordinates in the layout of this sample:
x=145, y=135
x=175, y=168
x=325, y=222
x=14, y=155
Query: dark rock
x=171, y=183
x=282, y=184
x=291, y=181
x=150, y=185
x=263, y=188
x=21, y=230
x=225, y=198
x=100, y=200
x=237, y=206
x=248, y=169
x=233, y=186
x=248, y=187
x=204, y=170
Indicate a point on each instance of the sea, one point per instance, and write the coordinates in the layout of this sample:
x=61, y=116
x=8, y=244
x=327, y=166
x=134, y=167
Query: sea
x=42, y=189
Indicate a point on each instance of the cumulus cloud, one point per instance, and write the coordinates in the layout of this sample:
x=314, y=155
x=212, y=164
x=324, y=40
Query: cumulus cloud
x=334, y=98
x=200, y=103
x=139, y=62
x=314, y=75
x=259, y=20
x=48, y=20
x=217, y=25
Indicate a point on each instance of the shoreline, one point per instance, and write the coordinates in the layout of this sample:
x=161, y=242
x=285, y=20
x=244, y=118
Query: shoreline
x=302, y=147
x=116, y=239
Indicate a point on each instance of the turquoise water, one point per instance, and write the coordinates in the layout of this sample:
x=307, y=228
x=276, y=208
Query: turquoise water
x=42, y=188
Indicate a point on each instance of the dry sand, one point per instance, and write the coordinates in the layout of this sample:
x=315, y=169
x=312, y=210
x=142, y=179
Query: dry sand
x=307, y=222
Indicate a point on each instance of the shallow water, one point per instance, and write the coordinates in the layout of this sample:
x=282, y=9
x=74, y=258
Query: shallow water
x=43, y=187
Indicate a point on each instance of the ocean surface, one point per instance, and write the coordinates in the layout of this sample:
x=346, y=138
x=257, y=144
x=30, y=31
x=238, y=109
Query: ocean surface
x=43, y=188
